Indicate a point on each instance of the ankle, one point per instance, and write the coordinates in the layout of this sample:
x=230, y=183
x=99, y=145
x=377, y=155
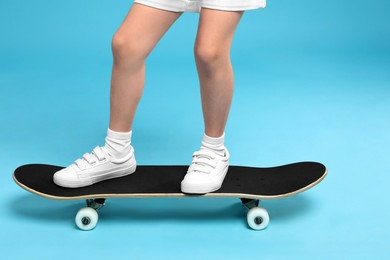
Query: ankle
x=118, y=144
x=214, y=144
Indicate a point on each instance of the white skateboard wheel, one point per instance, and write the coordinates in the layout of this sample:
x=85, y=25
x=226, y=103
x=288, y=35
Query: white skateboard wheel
x=86, y=218
x=258, y=218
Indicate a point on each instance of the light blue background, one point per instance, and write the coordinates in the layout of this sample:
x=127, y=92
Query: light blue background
x=312, y=82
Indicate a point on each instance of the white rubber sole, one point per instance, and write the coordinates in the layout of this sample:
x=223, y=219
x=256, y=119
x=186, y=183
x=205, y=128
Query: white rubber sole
x=193, y=189
x=95, y=179
x=203, y=188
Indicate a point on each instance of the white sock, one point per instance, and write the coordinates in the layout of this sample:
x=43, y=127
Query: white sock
x=118, y=143
x=215, y=144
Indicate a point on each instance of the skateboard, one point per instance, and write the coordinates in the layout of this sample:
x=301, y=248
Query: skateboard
x=249, y=184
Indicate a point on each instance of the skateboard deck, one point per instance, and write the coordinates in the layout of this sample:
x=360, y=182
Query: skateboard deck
x=250, y=184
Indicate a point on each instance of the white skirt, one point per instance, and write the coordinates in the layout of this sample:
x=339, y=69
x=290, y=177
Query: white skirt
x=194, y=6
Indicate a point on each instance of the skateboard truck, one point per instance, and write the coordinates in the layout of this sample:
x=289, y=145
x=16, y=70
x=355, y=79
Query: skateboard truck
x=250, y=203
x=96, y=204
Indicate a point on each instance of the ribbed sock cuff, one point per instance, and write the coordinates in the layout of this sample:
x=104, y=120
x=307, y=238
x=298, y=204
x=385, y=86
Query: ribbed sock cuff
x=118, y=144
x=215, y=141
x=215, y=144
x=119, y=135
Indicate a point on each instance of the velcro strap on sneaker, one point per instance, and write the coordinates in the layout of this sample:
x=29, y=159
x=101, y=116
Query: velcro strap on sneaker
x=97, y=151
x=89, y=158
x=204, y=153
x=204, y=161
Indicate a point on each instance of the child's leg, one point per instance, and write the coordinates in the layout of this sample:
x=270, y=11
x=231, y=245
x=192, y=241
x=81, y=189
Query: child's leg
x=134, y=40
x=212, y=55
x=131, y=44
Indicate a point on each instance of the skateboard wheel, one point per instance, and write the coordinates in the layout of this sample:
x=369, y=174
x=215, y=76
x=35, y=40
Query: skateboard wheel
x=258, y=218
x=86, y=218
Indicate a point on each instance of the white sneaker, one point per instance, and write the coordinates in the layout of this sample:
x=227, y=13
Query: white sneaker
x=206, y=173
x=95, y=167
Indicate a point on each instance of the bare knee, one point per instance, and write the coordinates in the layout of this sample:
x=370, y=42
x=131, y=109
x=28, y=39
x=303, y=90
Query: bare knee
x=126, y=50
x=208, y=54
